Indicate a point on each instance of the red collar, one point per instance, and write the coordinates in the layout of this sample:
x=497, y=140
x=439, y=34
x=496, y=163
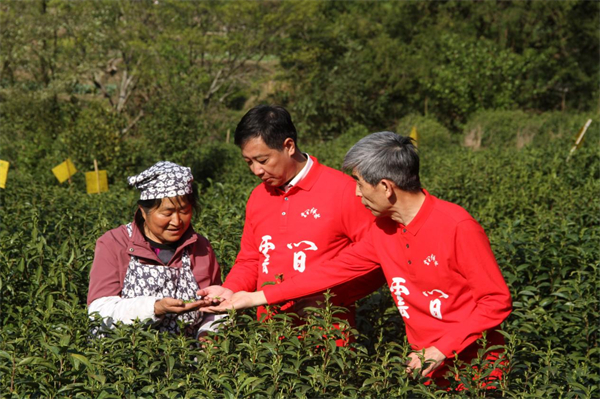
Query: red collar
x=305, y=184
x=422, y=215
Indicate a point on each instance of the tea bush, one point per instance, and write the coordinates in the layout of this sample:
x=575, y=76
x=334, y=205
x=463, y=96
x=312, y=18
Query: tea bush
x=540, y=212
x=518, y=129
x=431, y=134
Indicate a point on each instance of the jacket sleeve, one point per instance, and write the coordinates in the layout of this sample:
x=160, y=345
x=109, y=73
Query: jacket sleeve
x=215, y=269
x=126, y=310
x=105, y=279
x=206, y=269
x=477, y=264
x=243, y=276
x=353, y=262
x=356, y=221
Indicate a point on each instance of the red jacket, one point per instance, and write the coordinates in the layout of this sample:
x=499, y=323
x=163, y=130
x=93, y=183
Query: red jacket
x=440, y=269
x=290, y=233
x=114, y=250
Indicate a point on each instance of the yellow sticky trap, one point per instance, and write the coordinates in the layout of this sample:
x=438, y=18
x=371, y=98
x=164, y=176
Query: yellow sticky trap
x=96, y=185
x=64, y=170
x=3, y=173
x=414, y=135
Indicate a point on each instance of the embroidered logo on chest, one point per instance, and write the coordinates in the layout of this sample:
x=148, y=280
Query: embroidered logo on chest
x=430, y=260
x=311, y=212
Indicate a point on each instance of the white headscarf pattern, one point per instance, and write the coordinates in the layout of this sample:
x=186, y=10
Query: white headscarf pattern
x=163, y=180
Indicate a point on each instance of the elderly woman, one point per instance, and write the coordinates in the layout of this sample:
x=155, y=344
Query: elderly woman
x=152, y=268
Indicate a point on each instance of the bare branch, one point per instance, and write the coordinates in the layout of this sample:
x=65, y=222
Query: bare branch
x=97, y=82
x=126, y=81
x=214, y=87
x=133, y=123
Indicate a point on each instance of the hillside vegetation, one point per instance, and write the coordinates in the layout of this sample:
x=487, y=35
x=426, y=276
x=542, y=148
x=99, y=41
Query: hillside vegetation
x=541, y=214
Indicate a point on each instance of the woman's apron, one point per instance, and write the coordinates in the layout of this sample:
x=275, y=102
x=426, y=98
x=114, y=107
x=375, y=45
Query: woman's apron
x=164, y=282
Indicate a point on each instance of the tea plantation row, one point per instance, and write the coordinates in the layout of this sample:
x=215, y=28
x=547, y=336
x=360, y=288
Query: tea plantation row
x=541, y=215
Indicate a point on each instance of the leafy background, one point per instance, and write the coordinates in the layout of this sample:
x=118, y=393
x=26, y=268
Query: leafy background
x=496, y=90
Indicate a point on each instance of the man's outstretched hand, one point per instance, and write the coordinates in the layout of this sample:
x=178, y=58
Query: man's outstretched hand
x=213, y=295
x=239, y=300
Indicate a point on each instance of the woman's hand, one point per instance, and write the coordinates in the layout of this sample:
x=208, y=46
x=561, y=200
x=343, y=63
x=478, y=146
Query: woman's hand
x=172, y=305
x=239, y=300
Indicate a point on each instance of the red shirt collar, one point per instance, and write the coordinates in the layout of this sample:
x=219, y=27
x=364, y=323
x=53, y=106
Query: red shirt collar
x=422, y=215
x=305, y=184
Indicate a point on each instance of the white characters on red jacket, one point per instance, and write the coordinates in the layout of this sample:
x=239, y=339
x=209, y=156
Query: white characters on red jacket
x=300, y=256
x=398, y=289
x=435, y=305
x=265, y=246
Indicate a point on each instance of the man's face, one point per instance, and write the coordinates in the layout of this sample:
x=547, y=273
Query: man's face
x=372, y=197
x=274, y=167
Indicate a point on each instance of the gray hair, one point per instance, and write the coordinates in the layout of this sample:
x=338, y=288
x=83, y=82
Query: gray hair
x=386, y=155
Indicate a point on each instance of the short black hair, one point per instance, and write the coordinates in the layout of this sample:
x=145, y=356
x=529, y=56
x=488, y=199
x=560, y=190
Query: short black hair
x=272, y=123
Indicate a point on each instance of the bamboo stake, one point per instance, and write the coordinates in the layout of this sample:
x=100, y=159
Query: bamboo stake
x=68, y=172
x=579, y=138
x=97, y=175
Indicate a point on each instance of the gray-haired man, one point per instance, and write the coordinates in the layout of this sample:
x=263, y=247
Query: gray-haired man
x=436, y=258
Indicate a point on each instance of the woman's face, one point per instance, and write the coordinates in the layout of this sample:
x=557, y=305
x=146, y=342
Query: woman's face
x=167, y=223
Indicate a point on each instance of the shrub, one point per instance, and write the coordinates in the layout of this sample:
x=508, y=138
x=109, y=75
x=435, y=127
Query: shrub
x=564, y=127
x=513, y=129
x=517, y=129
x=331, y=153
x=542, y=217
x=431, y=134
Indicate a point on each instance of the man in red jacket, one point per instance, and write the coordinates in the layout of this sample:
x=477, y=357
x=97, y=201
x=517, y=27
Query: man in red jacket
x=436, y=258
x=302, y=215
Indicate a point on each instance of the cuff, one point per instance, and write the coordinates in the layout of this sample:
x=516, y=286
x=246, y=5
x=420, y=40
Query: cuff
x=147, y=309
x=274, y=294
x=232, y=286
